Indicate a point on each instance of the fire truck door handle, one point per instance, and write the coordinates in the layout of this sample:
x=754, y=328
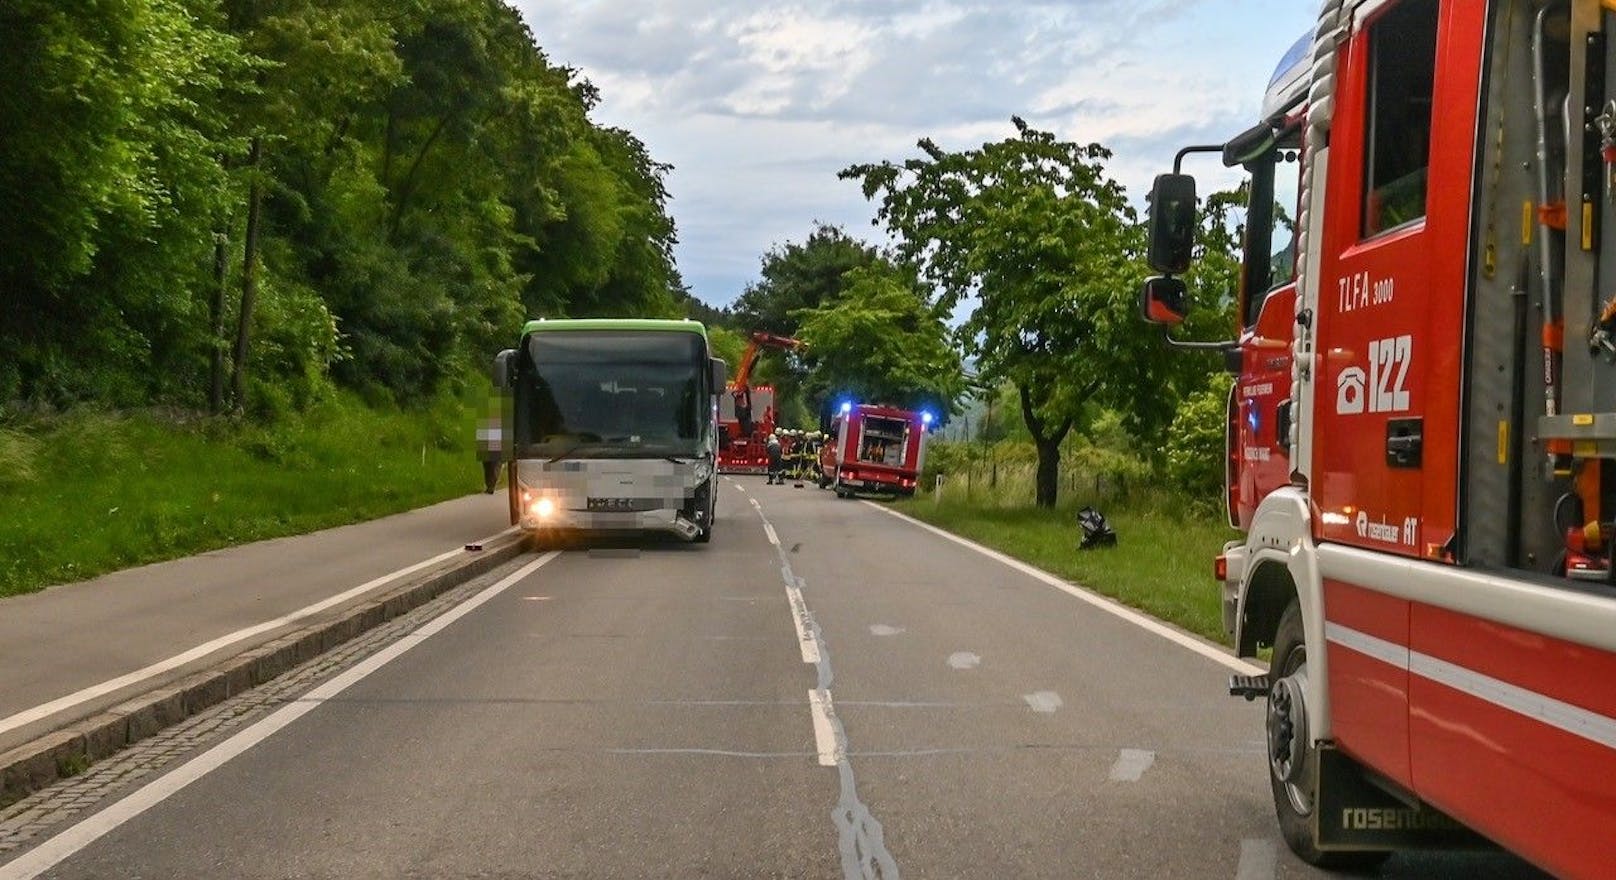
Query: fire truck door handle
x=1405, y=442
x=1282, y=425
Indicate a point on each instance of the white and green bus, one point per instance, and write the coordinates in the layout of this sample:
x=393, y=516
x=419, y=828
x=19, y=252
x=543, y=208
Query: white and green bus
x=609, y=425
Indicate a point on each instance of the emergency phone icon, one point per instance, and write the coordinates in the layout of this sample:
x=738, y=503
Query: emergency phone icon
x=1383, y=388
x=1351, y=391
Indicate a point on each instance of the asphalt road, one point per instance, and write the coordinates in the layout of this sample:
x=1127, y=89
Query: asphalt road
x=69, y=638
x=863, y=698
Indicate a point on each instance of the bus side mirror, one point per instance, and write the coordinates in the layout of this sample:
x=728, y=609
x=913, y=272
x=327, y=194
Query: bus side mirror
x=1172, y=224
x=720, y=374
x=505, y=368
x=1163, y=301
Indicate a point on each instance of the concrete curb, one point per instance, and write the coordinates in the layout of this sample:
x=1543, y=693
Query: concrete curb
x=68, y=751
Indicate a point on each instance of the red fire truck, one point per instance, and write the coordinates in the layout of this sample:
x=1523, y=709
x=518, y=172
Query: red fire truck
x=746, y=415
x=1418, y=429
x=873, y=449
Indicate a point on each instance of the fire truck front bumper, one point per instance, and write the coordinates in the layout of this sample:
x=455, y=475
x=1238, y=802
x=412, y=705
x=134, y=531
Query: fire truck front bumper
x=1231, y=571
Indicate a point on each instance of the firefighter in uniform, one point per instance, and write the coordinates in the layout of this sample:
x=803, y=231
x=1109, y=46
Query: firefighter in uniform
x=776, y=460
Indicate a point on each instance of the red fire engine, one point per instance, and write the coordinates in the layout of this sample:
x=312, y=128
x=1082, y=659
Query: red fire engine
x=746, y=415
x=1418, y=430
x=873, y=449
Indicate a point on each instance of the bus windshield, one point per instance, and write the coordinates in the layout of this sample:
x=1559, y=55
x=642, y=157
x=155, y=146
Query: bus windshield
x=620, y=394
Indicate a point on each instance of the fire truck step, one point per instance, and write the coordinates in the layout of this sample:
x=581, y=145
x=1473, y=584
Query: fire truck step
x=1249, y=686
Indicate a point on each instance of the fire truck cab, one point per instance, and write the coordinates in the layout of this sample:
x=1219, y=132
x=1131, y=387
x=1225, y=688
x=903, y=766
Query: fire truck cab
x=1425, y=399
x=873, y=449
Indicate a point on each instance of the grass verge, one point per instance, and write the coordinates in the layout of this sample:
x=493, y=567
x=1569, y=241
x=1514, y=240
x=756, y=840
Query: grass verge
x=1161, y=564
x=89, y=493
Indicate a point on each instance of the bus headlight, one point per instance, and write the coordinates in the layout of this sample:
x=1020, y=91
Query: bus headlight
x=703, y=470
x=543, y=508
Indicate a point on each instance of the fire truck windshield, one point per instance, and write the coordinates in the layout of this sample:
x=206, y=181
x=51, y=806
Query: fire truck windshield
x=611, y=395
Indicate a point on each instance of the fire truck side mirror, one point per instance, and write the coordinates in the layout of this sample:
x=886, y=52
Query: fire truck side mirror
x=720, y=374
x=1162, y=300
x=1172, y=223
x=505, y=368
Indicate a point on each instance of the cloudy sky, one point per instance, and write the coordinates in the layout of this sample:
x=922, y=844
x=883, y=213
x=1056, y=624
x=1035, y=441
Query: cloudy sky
x=757, y=104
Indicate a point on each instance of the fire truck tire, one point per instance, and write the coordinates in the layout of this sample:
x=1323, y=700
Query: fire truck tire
x=1293, y=801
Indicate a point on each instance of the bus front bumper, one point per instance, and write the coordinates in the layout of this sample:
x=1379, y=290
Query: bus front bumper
x=667, y=521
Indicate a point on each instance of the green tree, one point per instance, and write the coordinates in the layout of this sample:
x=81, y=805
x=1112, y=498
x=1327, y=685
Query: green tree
x=796, y=276
x=291, y=193
x=880, y=341
x=1035, y=229
x=112, y=118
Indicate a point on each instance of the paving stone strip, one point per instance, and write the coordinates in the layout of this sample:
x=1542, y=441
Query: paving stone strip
x=30, y=818
x=70, y=751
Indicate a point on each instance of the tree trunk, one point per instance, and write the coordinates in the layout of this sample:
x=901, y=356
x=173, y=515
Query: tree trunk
x=1048, y=471
x=1048, y=442
x=249, y=279
x=221, y=273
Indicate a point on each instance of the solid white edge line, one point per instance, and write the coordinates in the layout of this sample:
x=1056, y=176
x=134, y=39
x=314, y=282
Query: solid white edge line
x=819, y=705
x=1108, y=605
x=1563, y=716
x=111, y=685
x=64, y=845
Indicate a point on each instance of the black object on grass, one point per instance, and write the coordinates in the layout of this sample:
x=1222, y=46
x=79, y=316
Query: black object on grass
x=1096, y=531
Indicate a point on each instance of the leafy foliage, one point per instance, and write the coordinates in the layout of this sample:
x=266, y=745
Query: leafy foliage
x=881, y=341
x=795, y=277
x=1036, y=230
x=1195, y=445
x=426, y=176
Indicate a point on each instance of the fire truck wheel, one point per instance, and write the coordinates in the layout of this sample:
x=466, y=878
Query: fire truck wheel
x=1292, y=753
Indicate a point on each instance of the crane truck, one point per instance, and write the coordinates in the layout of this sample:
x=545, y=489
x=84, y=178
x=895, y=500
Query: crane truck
x=1424, y=402
x=746, y=414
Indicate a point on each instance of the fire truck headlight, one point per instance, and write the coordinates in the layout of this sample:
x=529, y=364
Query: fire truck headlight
x=543, y=508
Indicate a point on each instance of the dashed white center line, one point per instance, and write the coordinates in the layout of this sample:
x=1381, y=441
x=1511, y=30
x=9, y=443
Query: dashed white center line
x=964, y=660
x=824, y=735
x=805, y=634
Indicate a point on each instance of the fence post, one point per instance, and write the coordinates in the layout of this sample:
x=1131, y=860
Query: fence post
x=937, y=492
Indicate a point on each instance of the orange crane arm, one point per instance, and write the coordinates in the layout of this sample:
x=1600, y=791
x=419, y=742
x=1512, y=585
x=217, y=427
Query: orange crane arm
x=758, y=342
x=741, y=387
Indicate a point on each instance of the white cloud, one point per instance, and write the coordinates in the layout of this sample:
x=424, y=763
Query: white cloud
x=759, y=104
